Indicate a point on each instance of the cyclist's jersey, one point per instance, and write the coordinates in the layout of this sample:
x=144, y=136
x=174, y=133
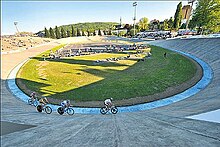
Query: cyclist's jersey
x=33, y=95
x=42, y=100
x=64, y=103
x=107, y=101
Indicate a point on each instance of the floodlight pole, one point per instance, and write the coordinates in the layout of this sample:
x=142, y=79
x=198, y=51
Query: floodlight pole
x=134, y=5
x=15, y=23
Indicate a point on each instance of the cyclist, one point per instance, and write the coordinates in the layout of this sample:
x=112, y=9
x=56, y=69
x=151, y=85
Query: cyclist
x=33, y=96
x=43, y=101
x=108, y=102
x=65, y=103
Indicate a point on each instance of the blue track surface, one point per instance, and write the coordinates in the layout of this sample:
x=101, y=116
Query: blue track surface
x=207, y=77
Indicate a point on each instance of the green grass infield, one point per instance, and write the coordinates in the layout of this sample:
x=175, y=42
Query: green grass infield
x=81, y=78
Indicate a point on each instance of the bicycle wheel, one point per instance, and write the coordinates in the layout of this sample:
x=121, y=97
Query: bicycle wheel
x=70, y=111
x=114, y=110
x=103, y=110
x=39, y=108
x=60, y=110
x=48, y=110
x=36, y=103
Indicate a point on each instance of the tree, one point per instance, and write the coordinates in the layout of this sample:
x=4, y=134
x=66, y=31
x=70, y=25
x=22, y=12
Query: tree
x=109, y=32
x=47, y=34
x=88, y=33
x=122, y=33
x=170, y=23
x=178, y=16
x=73, y=32
x=132, y=32
x=63, y=33
x=165, y=24
x=94, y=33
x=206, y=16
x=57, y=32
x=78, y=32
x=155, y=24
x=52, y=33
x=104, y=33
x=143, y=23
x=83, y=33
x=68, y=33
x=99, y=33
x=183, y=26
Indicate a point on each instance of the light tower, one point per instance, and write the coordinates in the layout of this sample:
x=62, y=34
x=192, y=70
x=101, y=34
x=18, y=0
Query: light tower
x=119, y=26
x=134, y=5
x=16, y=23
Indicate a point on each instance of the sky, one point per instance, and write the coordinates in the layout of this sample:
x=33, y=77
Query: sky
x=34, y=16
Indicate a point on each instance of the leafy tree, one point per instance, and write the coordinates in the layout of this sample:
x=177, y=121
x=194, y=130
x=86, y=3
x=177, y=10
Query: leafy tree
x=160, y=26
x=165, y=24
x=72, y=30
x=83, y=33
x=170, y=23
x=68, y=33
x=47, y=34
x=155, y=24
x=78, y=32
x=178, y=16
x=57, y=32
x=109, y=32
x=63, y=33
x=132, y=32
x=143, y=24
x=104, y=32
x=94, y=33
x=52, y=35
x=88, y=33
x=183, y=26
x=122, y=33
x=99, y=33
x=206, y=15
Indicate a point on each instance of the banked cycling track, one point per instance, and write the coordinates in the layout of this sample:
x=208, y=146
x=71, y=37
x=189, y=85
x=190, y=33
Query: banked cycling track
x=163, y=126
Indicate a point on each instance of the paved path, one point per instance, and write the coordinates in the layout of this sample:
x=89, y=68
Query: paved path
x=165, y=126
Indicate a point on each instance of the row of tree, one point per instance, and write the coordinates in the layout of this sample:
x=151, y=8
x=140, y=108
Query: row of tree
x=58, y=33
x=167, y=24
x=205, y=18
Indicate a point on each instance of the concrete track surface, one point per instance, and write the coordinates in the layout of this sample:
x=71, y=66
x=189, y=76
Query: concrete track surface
x=165, y=126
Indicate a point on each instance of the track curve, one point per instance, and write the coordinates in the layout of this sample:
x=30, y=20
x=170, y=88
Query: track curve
x=165, y=126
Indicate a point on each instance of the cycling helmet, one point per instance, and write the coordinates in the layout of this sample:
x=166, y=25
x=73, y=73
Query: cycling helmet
x=111, y=99
x=33, y=94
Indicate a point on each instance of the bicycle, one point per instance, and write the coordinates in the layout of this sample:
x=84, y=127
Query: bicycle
x=69, y=110
x=105, y=109
x=47, y=109
x=34, y=102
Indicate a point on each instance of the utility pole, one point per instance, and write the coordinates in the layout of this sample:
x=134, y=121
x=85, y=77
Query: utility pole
x=134, y=5
x=119, y=26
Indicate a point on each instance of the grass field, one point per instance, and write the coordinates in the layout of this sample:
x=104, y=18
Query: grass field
x=82, y=79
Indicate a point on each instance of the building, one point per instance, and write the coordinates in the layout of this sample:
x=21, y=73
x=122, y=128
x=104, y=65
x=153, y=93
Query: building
x=186, y=12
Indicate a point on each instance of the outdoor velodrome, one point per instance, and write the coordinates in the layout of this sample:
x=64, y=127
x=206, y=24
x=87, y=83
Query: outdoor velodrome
x=176, y=124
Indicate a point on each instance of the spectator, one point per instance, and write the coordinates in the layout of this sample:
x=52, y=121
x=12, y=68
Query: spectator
x=165, y=55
